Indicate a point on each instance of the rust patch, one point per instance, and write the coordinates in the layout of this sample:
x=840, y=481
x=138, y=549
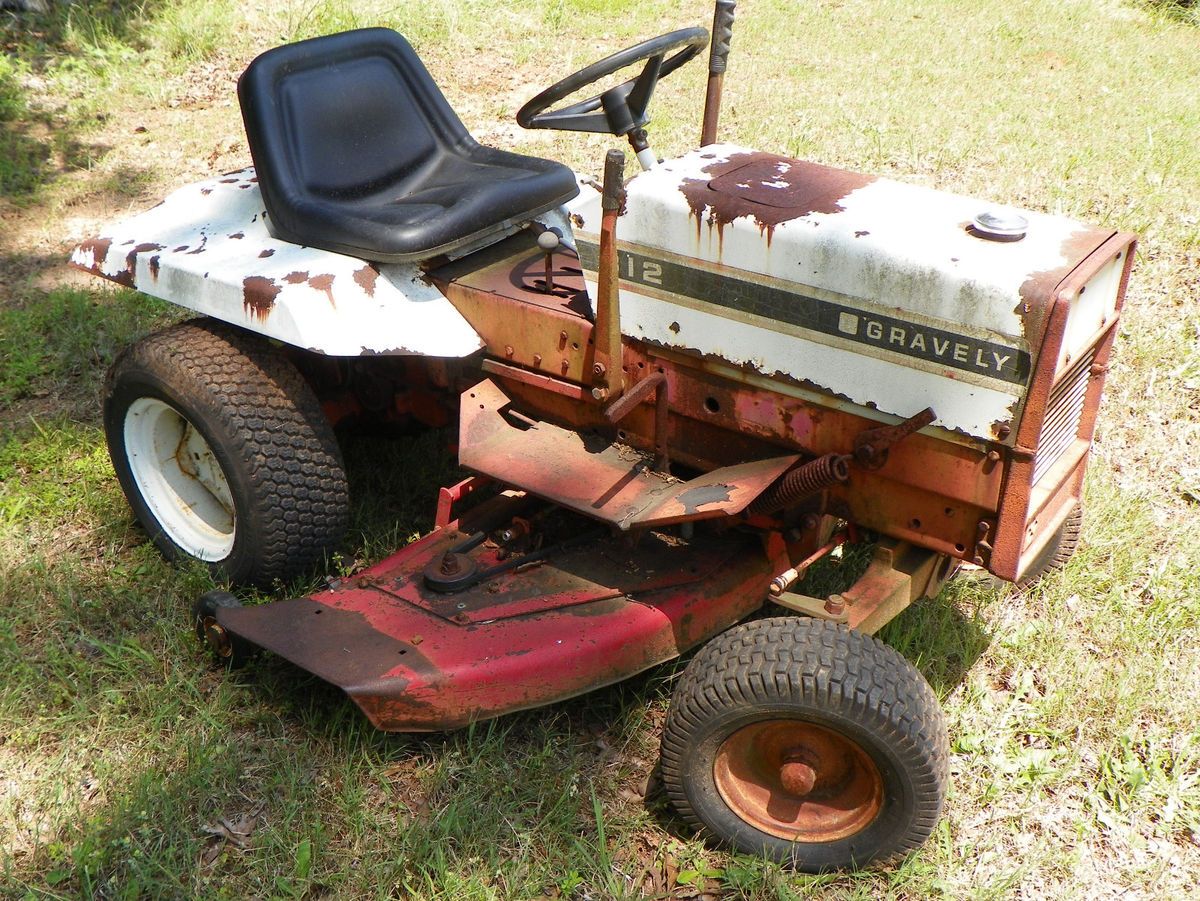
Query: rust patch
x=237, y=236
x=154, y=266
x=200, y=247
x=323, y=283
x=366, y=277
x=266, y=253
x=1037, y=291
x=258, y=296
x=228, y=181
x=127, y=277
x=131, y=257
x=206, y=191
x=768, y=188
x=296, y=278
x=180, y=249
x=98, y=247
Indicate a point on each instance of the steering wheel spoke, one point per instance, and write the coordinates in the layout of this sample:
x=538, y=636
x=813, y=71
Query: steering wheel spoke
x=622, y=109
x=642, y=89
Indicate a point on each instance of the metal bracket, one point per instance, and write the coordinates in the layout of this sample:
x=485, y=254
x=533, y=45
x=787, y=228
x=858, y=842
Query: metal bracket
x=871, y=446
x=899, y=573
x=814, y=607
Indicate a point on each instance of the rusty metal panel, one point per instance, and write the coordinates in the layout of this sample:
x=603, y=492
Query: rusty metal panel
x=1034, y=503
x=206, y=247
x=608, y=481
x=411, y=669
x=501, y=291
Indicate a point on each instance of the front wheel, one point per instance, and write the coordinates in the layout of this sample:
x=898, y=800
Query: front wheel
x=1057, y=553
x=808, y=743
x=224, y=453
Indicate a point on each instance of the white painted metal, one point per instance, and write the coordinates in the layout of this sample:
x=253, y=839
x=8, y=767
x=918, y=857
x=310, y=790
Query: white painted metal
x=1091, y=310
x=202, y=244
x=897, y=260
x=889, y=252
x=180, y=480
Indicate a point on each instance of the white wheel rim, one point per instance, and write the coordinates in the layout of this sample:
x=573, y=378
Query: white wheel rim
x=180, y=479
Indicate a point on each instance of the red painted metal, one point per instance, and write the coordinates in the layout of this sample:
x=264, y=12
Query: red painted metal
x=611, y=482
x=415, y=660
x=448, y=497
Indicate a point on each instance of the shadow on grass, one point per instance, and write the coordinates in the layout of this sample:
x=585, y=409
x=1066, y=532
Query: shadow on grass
x=38, y=145
x=58, y=344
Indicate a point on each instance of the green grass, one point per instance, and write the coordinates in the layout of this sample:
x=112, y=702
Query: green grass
x=1075, y=743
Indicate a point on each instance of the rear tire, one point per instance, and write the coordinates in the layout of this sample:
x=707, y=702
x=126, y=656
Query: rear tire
x=808, y=743
x=224, y=453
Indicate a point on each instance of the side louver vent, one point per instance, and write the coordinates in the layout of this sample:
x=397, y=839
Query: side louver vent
x=1063, y=411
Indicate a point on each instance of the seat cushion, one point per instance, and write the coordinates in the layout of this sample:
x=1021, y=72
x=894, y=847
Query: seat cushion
x=358, y=152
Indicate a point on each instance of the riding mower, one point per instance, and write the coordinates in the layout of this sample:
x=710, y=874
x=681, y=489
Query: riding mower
x=676, y=393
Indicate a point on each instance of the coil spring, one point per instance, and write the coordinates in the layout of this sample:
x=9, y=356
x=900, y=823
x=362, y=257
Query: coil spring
x=799, y=483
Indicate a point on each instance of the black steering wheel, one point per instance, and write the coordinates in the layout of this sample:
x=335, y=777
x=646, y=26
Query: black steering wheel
x=622, y=109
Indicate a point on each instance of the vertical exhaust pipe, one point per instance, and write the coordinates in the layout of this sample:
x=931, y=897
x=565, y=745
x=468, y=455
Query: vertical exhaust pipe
x=722, y=34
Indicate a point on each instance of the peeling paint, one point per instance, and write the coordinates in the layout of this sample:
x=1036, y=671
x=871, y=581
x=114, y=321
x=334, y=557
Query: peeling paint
x=695, y=498
x=767, y=188
x=97, y=250
x=366, y=277
x=258, y=296
x=1037, y=291
x=324, y=283
x=131, y=257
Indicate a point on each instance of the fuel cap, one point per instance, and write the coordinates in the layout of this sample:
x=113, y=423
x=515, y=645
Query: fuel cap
x=1000, y=225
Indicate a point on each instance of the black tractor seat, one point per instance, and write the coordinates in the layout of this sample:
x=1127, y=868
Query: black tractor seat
x=358, y=152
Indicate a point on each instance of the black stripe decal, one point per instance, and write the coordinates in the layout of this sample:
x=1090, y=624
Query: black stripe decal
x=922, y=342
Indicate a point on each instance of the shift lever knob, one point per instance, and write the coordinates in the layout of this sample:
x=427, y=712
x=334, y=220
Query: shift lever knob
x=548, y=241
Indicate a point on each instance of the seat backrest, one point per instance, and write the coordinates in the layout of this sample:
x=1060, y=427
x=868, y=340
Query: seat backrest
x=343, y=116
